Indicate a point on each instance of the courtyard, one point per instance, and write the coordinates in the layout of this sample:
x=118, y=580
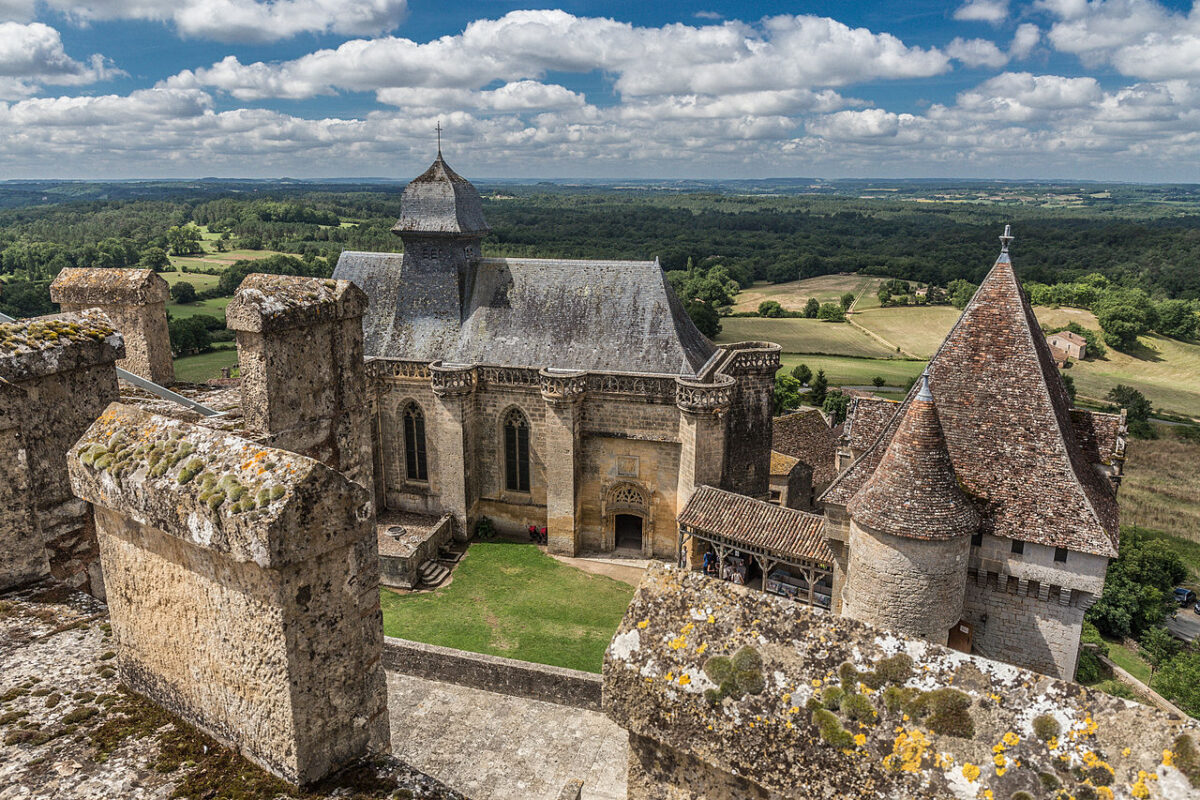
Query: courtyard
x=511, y=599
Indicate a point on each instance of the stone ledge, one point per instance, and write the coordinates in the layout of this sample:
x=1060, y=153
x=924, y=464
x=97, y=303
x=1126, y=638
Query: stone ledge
x=41, y=346
x=213, y=489
x=265, y=303
x=106, y=287
x=565, y=687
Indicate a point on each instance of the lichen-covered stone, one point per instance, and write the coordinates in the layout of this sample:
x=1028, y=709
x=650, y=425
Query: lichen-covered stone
x=276, y=302
x=91, y=287
x=910, y=719
x=40, y=346
x=243, y=587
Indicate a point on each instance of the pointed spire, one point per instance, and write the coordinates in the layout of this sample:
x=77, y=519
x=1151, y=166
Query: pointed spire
x=1006, y=240
x=924, y=393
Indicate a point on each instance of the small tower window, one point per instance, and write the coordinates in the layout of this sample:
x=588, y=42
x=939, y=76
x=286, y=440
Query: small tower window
x=516, y=451
x=1018, y=547
x=977, y=539
x=1060, y=555
x=415, y=465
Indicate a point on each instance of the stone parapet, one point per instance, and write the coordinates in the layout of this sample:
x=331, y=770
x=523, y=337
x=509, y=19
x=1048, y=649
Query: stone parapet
x=266, y=303
x=752, y=357
x=242, y=587
x=25, y=559
x=562, y=386
x=704, y=397
x=452, y=379
x=41, y=346
x=135, y=301
x=726, y=691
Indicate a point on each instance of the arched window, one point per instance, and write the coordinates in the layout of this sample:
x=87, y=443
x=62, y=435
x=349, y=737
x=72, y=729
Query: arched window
x=415, y=468
x=516, y=451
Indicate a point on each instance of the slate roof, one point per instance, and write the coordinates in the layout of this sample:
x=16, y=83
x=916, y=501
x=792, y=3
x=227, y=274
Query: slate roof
x=914, y=492
x=1007, y=422
x=737, y=517
x=866, y=418
x=806, y=436
x=440, y=201
x=617, y=316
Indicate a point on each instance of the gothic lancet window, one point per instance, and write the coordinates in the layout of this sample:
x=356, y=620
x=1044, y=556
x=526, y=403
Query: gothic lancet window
x=516, y=451
x=415, y=467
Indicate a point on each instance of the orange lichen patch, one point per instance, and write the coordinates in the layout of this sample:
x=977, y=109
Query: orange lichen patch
x=908, y=751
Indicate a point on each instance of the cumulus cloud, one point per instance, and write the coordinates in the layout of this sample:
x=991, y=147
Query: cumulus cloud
x=233, y=20
x=1024, y=40
x=32, y=55
x=781, y=53
x=976, y=53
x=1141, y=38
x=993, y=11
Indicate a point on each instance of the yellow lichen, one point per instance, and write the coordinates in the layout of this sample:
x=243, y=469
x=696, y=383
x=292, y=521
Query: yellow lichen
x=908, y=750
x=970, y=772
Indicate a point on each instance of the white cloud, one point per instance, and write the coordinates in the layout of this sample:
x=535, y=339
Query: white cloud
x=233, y=20
x=516, y=96
x=867, y=125
x=993, y=11
x=976, y=53
x=32, y=55
x=1141, y=38
x=782, y=53
x=1024, y=40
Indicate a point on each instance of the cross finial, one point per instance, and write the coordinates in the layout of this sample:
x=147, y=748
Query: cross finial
x=438, y=128
x=1006, y=239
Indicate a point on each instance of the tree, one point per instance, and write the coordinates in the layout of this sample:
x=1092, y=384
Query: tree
x=884, y=295
x=1178, y=680
x=1177, y=319
x=960, y=292
x=787, y=394
x=1138, y=587
x=831, y=312
x=835, y=405
x=877, y=381
x=1069, y=384
x=184, y=240
x=189, y=335
x=154, y=258
x=818, y=388
x=847, y=300
x=802, y=373
x=770, y=308
x=1158, y=646
x=1137, y=410
x=705, y=316
x=183, y=292
x=782, y=271
x=1124, y=315
x=811, y=308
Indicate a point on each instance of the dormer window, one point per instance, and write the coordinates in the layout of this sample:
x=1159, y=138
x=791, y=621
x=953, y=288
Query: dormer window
x=1018, y=547
x=1060, y=555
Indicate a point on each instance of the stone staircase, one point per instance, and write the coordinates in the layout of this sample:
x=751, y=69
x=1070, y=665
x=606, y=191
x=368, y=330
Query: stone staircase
x=431, y=574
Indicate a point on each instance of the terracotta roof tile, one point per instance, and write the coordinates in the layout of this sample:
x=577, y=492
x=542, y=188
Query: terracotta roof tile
x=806, y=435
x=1102, y=436
x=1007, y=422
x=914, y=491
x=785, y=531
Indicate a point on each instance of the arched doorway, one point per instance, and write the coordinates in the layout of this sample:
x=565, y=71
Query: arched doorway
x=628, y=532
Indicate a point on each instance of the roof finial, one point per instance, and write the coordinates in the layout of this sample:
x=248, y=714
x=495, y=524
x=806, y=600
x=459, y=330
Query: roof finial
x=1006, y=239
x=438, y=128
x=924, y=393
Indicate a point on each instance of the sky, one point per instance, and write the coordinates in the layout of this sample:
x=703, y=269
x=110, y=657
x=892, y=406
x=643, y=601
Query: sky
x=1047, y=89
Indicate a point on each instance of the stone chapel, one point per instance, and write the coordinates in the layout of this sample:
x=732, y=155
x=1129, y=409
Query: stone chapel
x=570, y=394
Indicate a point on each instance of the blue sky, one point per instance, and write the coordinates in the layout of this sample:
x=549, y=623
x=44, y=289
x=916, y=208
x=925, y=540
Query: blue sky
x=1094, y=89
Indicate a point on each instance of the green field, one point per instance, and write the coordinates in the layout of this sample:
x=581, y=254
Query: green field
x=1161, y=489
x=214, y=307
x=918, y=330
x=513, y=600
x=197, y=369
x=802, y=336
x=197, y=279
x=794, y=294
x=843, y=371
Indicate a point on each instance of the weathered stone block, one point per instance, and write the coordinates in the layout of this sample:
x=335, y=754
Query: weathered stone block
x=242, y=588
x=135, y=300
x=61, y=374
x=21, y=541
x=729, y=692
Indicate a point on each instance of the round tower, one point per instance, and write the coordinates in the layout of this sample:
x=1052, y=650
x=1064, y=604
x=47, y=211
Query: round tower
x=910, y=532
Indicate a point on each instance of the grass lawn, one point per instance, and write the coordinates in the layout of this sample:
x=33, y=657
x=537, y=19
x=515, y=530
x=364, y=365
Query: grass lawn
x=794, y=294
x=214, y=307
x=1161, y=488
x=857, y=371
x=917, y=329
x=197, y=369
x=802, y=336
x=1127, y=658
x=197, y=279
x=512, y=600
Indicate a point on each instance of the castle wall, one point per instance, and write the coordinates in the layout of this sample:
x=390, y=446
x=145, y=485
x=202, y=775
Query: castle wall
x=748, y=430
x=243, y=588
x=25, y=558
x=908, y=585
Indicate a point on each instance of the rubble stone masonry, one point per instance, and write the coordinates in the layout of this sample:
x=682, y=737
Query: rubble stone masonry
x=243, y=588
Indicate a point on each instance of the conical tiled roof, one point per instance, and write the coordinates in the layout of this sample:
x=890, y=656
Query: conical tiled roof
x=440, y=201
x=914, y=491
x=1006, y=418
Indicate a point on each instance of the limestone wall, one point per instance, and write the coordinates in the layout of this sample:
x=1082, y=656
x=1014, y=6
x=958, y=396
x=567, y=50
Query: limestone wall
x=748, y=431
x=729, y=692
x=25, y=559
x=903, y=584
x=61, y=374
x=135, y=301
x=304, y=385
x=243, y=588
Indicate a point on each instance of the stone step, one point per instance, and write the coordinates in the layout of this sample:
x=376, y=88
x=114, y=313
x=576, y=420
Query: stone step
x=431, y=573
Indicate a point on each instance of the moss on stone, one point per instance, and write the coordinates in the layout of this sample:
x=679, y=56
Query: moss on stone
x=1021, y=795
x=1049, y=781
x=1187, y=758
x=831, y=697
x=831, y=730
x=1046, y=727
x=858, y=708
x=718, y=669
x=945, y=711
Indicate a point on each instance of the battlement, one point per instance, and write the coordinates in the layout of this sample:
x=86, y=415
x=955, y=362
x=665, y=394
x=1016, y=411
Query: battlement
x=40, y=346
x=266, y=303
x=210, y=488
x=104, y=287
x=730, y=692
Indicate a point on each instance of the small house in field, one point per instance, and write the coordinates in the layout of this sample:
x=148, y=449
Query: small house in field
x=1074, y=345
